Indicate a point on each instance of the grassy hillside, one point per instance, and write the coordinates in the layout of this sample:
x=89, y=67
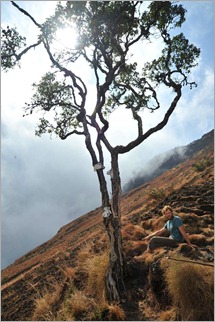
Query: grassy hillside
x=63, y=279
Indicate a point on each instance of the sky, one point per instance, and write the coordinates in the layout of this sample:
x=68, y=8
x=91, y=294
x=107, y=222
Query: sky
x=46, y=183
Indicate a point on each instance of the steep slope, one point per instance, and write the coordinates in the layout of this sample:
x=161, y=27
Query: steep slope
x=187, y=187
x=166, y=161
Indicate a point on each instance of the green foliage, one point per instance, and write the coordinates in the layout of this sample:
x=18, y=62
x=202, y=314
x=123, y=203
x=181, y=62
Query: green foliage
x=53, y=23
x=165, y=15
x=184, y=54
x=99, y=23
x=201, y=165
x=4, y=280
x=11, y=42
x=174, y=65
x=54, y=94
x=157, y=193
x=51, y=92
x=106, y=32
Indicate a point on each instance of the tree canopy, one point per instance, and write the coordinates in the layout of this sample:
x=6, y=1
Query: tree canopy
x=106, y=32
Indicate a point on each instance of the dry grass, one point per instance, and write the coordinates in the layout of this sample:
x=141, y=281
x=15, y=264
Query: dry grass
x=69, y=272
x=198, y=239
x=147, y=224
x=191, y=288
x=134, y=232
x=78, y=304
x=153, y=224
x=91, y=268
x=134, y=248
x=208, y=232
x=116, y=313
x=96, y=267
x=169, y=315
x=157, y=193
x=84, y=253
x=150, y=307
x=44, y=304
x=90, y=302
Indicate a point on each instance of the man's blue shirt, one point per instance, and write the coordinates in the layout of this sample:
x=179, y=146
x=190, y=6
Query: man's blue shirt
x=172, y=226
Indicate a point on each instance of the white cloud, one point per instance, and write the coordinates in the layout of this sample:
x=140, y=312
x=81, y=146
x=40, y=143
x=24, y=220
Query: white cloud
x=196, y=109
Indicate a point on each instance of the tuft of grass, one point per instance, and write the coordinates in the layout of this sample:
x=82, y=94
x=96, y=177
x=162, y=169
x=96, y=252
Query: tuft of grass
x=44, y=304
x=116, y=313
x=95, y=267
x=157, y=193
x=169, y=315
x=84, y=252
x=191, y=288
x=134, y=232
x=198, y=239
x=80, y=305
x=92, y=267
x=109, y=312
x=77, y=307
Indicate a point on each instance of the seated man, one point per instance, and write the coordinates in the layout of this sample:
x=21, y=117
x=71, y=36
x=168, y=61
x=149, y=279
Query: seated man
x=174, y=227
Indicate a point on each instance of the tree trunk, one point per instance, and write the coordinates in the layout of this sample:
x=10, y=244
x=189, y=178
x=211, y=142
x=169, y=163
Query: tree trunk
x=115, y=288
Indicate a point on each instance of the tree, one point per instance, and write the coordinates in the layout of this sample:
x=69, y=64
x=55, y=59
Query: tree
x=107, y=32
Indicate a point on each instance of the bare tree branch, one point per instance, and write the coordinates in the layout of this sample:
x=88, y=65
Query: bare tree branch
x=123, y=149
x=27, y=14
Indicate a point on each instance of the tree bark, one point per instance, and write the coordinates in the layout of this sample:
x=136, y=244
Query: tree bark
x=115, y=287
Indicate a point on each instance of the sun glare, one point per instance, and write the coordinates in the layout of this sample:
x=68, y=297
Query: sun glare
x=66, y=37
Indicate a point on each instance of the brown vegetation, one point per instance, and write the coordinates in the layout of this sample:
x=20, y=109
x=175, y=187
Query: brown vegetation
x=190, y=286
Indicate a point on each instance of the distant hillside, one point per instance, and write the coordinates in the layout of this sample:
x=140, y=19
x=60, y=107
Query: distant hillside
x=63, y=279
x=166, y=161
